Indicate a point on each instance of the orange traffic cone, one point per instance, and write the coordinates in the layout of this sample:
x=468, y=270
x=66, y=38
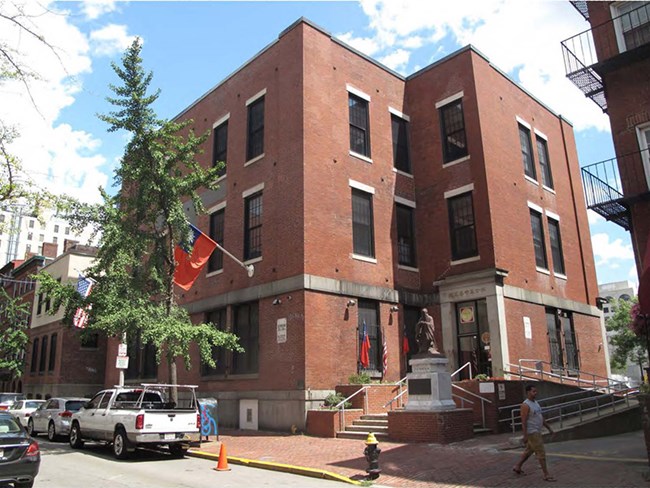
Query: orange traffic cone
x=222, y=464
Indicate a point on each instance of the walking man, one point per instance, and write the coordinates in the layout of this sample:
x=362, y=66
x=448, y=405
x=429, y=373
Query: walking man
x=532, y=422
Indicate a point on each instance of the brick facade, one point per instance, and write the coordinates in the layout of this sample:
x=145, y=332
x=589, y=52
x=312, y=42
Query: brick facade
x=436, y=427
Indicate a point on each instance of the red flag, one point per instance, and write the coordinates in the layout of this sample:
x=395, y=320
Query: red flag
x=405, y=344
x=190, y=261
x=365, y=347
x=384, y=354
x=644, y=281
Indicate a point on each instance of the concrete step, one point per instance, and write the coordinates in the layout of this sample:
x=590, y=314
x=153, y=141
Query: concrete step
x=370, y=422
x=482, y=431
x=375, y=416
x=366, y=428
x=346, y=434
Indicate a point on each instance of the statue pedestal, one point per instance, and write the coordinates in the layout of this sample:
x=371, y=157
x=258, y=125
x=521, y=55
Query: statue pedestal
x=429, y=385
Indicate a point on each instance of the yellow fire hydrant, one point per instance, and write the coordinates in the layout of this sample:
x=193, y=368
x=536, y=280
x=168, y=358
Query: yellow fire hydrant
x=372, y=452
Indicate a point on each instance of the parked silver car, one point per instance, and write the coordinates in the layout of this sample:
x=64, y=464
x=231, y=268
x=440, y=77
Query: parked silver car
x=23, y=409
x=54, y=417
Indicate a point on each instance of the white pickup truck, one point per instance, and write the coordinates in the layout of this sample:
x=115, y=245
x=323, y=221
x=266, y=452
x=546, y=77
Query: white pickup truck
x=128, y=417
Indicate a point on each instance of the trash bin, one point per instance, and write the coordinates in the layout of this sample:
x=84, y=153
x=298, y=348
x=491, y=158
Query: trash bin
x=209, y=417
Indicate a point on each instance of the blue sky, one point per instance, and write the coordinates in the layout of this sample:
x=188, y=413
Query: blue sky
x=191, y=46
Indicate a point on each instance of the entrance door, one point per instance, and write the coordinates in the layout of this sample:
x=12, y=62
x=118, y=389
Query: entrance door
x=562, y=340
x=473, y=338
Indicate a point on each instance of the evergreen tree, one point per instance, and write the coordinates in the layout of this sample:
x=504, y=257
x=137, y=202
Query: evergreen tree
x=141, y=226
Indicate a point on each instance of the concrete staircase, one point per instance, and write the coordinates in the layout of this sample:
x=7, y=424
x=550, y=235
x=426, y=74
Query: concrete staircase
x=375, y=423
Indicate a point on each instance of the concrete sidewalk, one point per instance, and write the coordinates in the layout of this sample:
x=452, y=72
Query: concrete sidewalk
x=616, y=461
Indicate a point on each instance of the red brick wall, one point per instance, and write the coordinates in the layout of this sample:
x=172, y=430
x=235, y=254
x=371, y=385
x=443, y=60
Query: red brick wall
x=378, y=396
x=438, y=427
x=326, y=423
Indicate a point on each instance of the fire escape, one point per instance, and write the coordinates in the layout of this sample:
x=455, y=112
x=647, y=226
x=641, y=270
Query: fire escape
x=610, y=186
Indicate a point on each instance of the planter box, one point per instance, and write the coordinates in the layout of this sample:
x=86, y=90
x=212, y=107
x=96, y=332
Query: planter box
x=326, y=423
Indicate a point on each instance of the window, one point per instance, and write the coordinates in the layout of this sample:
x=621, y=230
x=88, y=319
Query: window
x=52, y=352
x=220, y=149
x=462, y=230
x=34, y=365
x=30, y=236
x=632, y=24
x=253, y=227
x=31, y=224
x=643, y=135
x=362, y=224
x=401, y=156
x=369, y=315
x=142, y=359
x=405, y=235
x=216, y=234
x=544, y=163
x=452, y=124
x=67, y=231
x=556, y=245
x=56, y=228
x=527, y=152
x=562, y=340
x=359, y=125
x=42, y=362
x=41, y=237
x=538, y=239
x=218, y=318
x=39, y=307
x=255, y=145
x=55, y=240
x=246, y=327
x=28, y=248
x=89, y=340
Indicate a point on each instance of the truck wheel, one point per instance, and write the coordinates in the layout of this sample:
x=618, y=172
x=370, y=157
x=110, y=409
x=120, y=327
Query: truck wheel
x=120, y=444
x=30, y=428
x=76, y=442
x=177, y=450
x=51, y=432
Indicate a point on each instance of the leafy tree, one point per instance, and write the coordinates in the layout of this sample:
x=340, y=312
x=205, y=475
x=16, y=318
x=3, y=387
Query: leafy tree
x=140, y=227
x=628, y=347
x=13, y=333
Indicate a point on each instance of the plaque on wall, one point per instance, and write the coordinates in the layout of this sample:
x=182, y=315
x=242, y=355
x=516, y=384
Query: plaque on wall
x=419, y=387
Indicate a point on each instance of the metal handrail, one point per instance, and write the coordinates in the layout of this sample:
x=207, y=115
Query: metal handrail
x=399, y=384
x=483, y=400
x=548, y=399
x=468, y=365
x=341, y=405
x=463, y=400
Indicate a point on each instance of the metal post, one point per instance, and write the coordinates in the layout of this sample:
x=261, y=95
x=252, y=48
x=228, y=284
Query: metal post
x=250, y=269
x=121, y=382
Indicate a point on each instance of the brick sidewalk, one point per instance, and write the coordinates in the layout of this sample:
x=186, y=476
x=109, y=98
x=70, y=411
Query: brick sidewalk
x=476, y=463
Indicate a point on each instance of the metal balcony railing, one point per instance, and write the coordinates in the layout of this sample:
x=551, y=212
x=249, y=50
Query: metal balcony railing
x=589, y=54
x=610, y=185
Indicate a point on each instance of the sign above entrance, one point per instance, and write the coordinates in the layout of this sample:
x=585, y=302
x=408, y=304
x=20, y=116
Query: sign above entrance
x=466, y=315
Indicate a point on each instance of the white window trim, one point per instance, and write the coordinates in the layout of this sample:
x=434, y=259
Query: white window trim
x=459, y=191
x=254, y=160
x=552, y=215
x=256, y=97
x=466, y=260
x=456, y=161
x=540, y=134
x=357, y=92
x=399, y=114
x=543, y=270
x=561, y=276
x=643, y=144
x=550, y=190
x=523, y=122
x=365, y=259
x=360, y=156
x=405, y=202
x=408, y=268
x=216, y=208
x=361, y=186
x=254, y=260
x=252, y=190
x=403, y=173
x=221, y=120
x=449, y=99
x=535, y=207
x=532, y=180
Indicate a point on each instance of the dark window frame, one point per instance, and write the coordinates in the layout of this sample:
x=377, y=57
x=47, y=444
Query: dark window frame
x=526, y=145
x=368, y=310
x=35, y=357
x=359, y=120
x=246, y=327
x=462, y=226
x=405, y=223
x=363, y=223
x=53, y=348
x=453, y=132
x=544, y=162
x=217, y=226
x=219, y=354
x=539, y=242
x=255, y=129
x=253, y=226
x=220, y=146
x=42, y=364
x=555, y=238
x=401, y=147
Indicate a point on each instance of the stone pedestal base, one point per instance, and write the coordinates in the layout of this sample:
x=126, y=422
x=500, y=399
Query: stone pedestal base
x=429, y=385
x=439, y=427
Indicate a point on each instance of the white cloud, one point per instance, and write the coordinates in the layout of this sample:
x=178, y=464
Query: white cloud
x=366, y=45
x=594, y=218
x=607, y=251
x=94, y=9
x=110, y=40
x=396, y=60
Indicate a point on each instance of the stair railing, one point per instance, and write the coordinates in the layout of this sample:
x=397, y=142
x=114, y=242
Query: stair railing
x=341, y=405
x=467, y=365
x=474, y=395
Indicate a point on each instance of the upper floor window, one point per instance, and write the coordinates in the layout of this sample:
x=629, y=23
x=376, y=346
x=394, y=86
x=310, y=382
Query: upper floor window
x=462, y=229
x=56, y=228
x=216, y=234
x=401, y=156
x=31, y=224
x=359, y=125
x=30, y=236
x=527, y=152
x=632, y=24
x=67, y=231
x=405, y=235
x=556, y=245
x=255, y=141
x=544, y=163
x=363, y=241
x=253, y=226
x=220, y=146
x=452, y=123
x=538, y=239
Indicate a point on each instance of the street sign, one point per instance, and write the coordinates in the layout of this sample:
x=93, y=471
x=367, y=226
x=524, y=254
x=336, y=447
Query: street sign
x=121, y=350
x=122, y=362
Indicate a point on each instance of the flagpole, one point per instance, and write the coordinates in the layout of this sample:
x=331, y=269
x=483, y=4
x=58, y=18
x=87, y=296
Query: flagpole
x=250, y=269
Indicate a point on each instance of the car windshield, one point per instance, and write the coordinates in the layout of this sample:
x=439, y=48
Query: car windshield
x=32, y=404
x=74, y=405
x=8, y=425
x=10, y=397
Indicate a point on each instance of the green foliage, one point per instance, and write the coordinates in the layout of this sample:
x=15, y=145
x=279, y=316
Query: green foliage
x=361, y=378
x=481, y=377
x=140, y=227
x=13, y=333
x=628, y=347
x=334, y=399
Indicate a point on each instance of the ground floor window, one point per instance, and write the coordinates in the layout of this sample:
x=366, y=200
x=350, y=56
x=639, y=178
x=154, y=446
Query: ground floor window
x=142, y=360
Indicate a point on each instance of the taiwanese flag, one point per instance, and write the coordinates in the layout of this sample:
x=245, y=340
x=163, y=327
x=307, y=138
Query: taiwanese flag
x=364, y=358
x=405, y=343
x=190, y=260
x=644, y=281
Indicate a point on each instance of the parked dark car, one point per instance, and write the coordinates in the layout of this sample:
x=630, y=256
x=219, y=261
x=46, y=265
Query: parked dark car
x=20, y=456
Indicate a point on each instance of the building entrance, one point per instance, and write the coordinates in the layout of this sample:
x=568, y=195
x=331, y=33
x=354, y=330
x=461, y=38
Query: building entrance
x=473, y=337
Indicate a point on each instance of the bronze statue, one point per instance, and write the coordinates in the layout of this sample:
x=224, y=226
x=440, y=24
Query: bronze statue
x=425, y=335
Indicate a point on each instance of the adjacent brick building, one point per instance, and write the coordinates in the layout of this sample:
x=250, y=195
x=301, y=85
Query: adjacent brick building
x=360, y=196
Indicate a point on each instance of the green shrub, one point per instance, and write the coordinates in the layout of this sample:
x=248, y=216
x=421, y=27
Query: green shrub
x=359, y=379
x=334, y=399
x=481, y=377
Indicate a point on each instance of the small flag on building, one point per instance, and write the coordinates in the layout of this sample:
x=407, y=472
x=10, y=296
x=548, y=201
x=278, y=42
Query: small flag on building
x=364, y=358
x=190, y=260
x=405, y=343
x=384, y=355
x=84, y=286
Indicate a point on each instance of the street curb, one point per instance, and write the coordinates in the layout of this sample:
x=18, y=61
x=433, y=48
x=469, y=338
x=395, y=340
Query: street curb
x=285, y=468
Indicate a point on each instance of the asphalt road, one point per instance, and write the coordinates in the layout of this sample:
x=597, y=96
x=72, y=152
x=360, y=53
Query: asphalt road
x=94, y=466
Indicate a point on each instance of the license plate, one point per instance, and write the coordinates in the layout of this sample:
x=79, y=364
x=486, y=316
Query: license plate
x=170, y=437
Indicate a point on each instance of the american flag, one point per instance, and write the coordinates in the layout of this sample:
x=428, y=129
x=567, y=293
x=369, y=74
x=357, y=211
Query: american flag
x=384, y=354
x=84, y=285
